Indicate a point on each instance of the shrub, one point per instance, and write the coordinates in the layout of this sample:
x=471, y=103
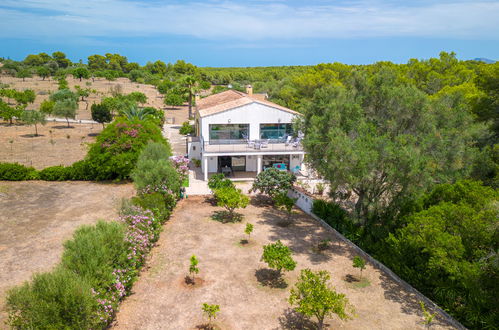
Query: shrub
x=159, y=204
x=56, y=300
x=278, y=256
x=95, y=251
x=218, y=181
x=337, y=218
x=210, y=311
x=155, y=172
x=55, y=173
x=115, y=153
x=16, y=172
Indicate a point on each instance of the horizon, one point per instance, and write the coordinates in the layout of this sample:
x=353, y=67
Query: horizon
x=252, y=33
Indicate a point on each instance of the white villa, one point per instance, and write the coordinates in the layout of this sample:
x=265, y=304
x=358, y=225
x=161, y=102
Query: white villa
x=241, y=134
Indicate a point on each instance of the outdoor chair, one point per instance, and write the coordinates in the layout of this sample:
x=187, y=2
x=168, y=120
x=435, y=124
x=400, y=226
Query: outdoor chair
x=296, y=143
x=264, y=143
x=288, y=140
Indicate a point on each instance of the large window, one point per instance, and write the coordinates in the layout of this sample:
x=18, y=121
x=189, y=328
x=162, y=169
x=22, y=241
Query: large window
x=270, y=160
x=275, y=132
x=228, y=133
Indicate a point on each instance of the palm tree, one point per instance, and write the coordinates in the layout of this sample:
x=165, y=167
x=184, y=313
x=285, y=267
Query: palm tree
x=190, y=86
x=133, y=112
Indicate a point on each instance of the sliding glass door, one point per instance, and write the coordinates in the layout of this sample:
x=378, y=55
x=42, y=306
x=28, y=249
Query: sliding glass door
x=228, y=133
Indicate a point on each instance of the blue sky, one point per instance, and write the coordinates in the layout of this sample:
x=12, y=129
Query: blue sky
x=251, y=32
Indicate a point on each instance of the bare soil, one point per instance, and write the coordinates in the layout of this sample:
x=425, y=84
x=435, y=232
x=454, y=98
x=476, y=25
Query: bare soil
x=43, y=88
x=249, y=294
x=36, y=217
x=55, y=145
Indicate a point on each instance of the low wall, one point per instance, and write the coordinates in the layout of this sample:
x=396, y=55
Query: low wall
x=305, y=201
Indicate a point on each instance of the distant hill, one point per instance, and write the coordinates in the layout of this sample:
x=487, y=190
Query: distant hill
x=486, y=60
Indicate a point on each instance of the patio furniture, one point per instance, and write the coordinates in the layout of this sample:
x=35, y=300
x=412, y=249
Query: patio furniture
x=296, y=169
x=257, y=145
x=264, y=143
x=227, y=171
x=296, y=143
x=288, y=140
x=280, y=166
x=251, y=143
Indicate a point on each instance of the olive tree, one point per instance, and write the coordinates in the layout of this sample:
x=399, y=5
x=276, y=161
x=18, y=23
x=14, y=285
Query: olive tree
x=101, y=113
x=312, y=296
x=32, y=117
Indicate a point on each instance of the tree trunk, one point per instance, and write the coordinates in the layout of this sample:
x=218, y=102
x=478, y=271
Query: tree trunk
x=320, y=324
x=80, y=78
x=190, y=105
x=67, y=119
x=36, y=131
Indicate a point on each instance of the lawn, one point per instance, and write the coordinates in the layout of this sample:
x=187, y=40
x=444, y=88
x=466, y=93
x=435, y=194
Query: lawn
x=37, y=217
x=232, y=276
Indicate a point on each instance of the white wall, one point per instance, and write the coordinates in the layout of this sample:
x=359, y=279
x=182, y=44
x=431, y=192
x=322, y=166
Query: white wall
x=212, y=164
x=295, y=162
x=253, y=114
x=195, y=150
x=251, y=162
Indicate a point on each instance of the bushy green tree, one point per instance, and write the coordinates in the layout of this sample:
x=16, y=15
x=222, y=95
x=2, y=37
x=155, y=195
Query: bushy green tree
x=231, y=199
x=360, y=263
x=66, y=108
x=312, y=296
x=81, y=72
x=278, y=257
x=101, y=113
x=218, y=181
x=273, y=182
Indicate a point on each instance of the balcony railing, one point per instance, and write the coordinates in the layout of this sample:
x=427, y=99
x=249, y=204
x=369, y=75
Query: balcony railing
x=234, y=146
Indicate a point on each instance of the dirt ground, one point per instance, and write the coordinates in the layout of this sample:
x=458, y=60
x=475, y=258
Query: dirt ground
x=233, y=276
x=37, y=217
x=103, y=87
x=56, y=145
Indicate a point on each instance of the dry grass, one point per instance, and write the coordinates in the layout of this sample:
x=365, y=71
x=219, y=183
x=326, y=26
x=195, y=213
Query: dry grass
x=37, y=217
x=249, y=294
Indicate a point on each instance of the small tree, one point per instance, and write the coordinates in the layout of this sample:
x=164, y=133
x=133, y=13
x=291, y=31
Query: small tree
x=101, y=113
x=193, y=268
x=231, y=199
x=211, y=312
x=428, y=317
x=283, y=201
x=278, y=257
x=32, y=117
x=24, y=73
x=173, y=98
x=248, y=230
x=66, y=108
x=186, y=128
x=273, y=182
x=313, y=297
x=358, y=262
x=81, y=72
x=43, y=72
x=47, y=107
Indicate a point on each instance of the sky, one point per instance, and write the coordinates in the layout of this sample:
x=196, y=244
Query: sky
x=251, y=32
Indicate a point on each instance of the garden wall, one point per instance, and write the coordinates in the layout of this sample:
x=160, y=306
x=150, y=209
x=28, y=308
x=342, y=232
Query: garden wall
x=304, y=201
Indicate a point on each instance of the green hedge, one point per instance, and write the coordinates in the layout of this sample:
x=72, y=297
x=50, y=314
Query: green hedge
x=17, y=172
x=337, y=218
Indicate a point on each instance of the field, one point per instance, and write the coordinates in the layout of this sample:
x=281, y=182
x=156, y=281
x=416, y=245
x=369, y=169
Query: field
x=103, y=87
x=232, y=275
x=56, y=145
x=37, y=217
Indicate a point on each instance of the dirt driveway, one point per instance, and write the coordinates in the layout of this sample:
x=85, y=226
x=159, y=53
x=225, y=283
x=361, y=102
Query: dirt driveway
x=233, y=276
x=36, y=217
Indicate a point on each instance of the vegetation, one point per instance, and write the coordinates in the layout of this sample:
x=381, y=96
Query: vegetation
x=231, y=199
x=186, y=128
x=248, y=229
x=427, y=316
x=32, y=117
x=273, y=182
x=283, y=201
x=278, y=257
x=360, y=263
x=218, y=181
x=313, y=297
x=193, y=267
x=211, y=312
x=101, y=114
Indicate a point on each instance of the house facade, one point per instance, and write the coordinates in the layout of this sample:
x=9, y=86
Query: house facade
x=242, y=132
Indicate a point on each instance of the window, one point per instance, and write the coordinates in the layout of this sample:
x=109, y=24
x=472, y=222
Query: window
x=270, y=160
x=275, y=132
x=228, y=133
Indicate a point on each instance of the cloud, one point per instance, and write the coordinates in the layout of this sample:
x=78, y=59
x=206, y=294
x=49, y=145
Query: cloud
x=249, y=21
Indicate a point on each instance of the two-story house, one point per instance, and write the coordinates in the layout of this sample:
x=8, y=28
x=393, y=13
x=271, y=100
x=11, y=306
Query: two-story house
x=243, y=132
